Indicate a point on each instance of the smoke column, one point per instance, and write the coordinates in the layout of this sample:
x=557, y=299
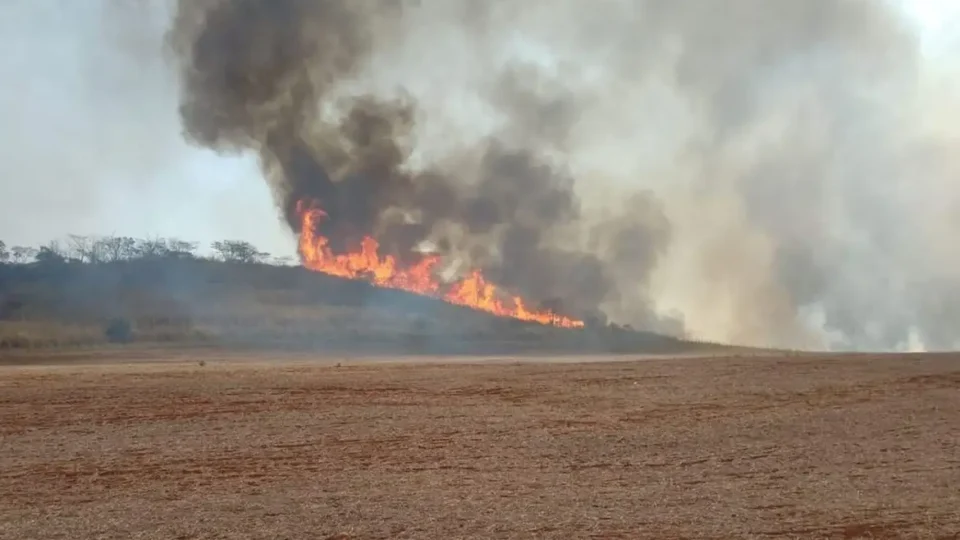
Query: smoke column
x=767, y=173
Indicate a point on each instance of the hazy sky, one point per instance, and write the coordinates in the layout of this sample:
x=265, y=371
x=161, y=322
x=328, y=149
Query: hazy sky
x=91, y=137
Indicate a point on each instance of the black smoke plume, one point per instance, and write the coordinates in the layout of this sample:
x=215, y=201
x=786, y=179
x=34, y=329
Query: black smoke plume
x=257, y=75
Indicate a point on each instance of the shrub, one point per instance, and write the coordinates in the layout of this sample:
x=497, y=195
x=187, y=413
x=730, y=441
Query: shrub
x=15, y=341
x=118, y=331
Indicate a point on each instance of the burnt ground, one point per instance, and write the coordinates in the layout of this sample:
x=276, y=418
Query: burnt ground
x=775, y=447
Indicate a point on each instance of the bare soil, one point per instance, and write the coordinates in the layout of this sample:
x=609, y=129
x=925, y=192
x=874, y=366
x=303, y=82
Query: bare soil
x=772, y=447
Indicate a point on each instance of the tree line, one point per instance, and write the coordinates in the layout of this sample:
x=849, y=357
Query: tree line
x=111, y=249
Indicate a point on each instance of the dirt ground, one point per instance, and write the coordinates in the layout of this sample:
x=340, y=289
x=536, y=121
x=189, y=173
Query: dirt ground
x=799, y=447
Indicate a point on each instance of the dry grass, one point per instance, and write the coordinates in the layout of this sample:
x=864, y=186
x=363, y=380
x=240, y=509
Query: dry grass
x=855, y=447
x=195, y=302
x=51, y=334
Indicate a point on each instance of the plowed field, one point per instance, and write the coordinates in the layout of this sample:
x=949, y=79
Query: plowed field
x=776, y=447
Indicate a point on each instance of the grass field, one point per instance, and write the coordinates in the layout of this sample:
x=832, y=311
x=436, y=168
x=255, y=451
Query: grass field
x=294, y=447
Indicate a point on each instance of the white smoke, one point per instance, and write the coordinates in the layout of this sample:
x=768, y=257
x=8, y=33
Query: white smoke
x=803, y=151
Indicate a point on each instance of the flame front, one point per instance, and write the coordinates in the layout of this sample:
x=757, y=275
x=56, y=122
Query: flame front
x=366, y=264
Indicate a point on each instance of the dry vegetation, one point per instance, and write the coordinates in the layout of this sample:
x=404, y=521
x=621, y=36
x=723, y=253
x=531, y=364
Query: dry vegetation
x=802, y=447
x=207, y=302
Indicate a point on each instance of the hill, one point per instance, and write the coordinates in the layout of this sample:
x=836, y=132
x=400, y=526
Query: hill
x=191, y=301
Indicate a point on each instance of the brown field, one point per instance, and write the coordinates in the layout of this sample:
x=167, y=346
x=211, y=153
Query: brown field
x=798, y=447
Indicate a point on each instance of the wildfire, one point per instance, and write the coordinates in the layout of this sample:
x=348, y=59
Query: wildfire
x=366, y=264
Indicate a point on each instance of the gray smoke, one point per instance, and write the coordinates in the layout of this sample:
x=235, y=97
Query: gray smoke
x=750, y=171
x=257, y=75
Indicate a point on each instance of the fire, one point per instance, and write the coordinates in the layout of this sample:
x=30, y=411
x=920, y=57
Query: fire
x=365, y=263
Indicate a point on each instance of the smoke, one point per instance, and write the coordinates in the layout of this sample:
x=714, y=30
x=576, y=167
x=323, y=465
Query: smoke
x=750, y=171
x=257, y=75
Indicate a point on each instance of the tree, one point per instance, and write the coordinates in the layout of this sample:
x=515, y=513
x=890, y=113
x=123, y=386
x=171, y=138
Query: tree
x=22, y=254
x=238, y=251
x=151, y=248
x=4, y=253
x=115, y=248
x=50, y=254
x=82, y=248
x=181, y=249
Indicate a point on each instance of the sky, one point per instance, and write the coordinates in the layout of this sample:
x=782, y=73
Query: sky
x=91, y=137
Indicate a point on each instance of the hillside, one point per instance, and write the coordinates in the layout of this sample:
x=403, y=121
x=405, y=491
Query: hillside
x=194, y=301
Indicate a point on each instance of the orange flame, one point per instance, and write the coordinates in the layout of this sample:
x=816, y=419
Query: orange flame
x=366, y=264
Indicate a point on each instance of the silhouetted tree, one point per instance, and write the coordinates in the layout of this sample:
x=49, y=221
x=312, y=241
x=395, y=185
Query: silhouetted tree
x=238, y=251
x=50, y=254
x=151, y=248
x=108, y=249
x=128, y=248
x=22, y=254
x=81, y=248
x=181, y=249
x=115, y=248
